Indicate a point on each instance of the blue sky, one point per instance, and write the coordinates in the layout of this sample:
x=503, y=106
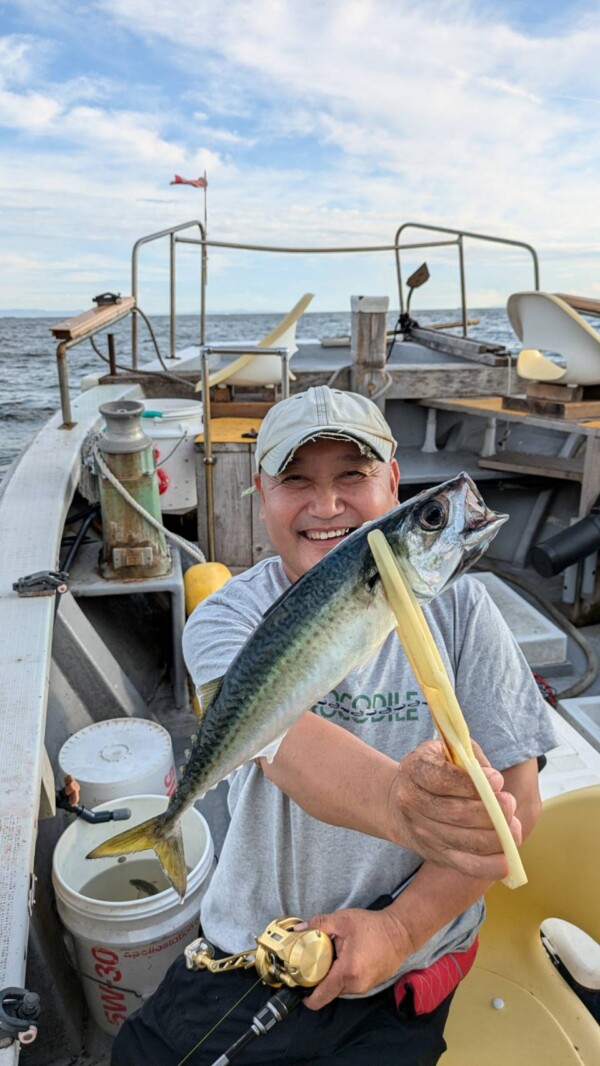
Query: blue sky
x=317, y=122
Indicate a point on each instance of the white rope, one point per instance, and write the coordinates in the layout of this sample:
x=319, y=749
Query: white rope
x=181, y=542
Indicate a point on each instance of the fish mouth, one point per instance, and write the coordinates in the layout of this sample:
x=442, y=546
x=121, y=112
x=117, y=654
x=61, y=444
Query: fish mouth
x=483, y=530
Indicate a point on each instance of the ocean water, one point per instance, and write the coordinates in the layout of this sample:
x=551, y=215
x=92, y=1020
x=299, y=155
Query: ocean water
x=30, y=394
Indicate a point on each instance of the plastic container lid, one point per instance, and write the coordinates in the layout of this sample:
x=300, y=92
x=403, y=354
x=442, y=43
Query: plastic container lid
x=117, y=750
x=171, y=410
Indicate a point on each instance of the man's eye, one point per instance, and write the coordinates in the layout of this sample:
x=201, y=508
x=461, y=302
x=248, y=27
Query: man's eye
x=352, y=474
x=293, y=479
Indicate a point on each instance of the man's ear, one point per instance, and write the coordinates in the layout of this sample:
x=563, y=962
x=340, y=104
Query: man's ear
x=395, y=477
x=257, y=482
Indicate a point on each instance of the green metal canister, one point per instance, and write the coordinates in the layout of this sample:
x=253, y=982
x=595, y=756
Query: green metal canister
x=132, y=548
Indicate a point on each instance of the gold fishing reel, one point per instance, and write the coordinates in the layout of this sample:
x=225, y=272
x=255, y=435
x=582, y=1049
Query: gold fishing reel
x=283, y=956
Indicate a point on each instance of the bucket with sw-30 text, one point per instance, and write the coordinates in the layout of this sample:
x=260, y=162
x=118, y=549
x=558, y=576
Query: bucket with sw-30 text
x=124, y=919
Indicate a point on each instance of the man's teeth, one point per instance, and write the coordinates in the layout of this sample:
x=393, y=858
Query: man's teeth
x=328, y=534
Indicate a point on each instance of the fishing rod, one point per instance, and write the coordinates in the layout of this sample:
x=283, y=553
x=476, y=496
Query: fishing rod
x=290, y=960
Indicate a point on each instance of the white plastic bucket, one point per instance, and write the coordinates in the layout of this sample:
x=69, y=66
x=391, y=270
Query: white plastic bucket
x=124, y=946
x=120, y=757
x=173, y=431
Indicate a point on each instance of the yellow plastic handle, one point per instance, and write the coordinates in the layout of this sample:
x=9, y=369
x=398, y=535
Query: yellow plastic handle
x=431, y=674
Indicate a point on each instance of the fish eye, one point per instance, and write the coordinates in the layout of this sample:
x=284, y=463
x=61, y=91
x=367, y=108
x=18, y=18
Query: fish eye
x=433, y=516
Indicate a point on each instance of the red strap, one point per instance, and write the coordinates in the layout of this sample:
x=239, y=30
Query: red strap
x=432, y=985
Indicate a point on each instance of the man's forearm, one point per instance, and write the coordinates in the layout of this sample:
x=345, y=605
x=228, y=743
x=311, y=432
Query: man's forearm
x=423, y=804
x=334, y=776
x=434, y=897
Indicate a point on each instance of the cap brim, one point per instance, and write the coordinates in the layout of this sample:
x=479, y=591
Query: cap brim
x=278, y=457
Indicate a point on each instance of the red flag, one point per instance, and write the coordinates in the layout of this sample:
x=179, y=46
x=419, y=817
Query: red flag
x=198, y=183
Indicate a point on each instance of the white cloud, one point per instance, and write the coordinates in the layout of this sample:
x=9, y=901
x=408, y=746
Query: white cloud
x=315, y=122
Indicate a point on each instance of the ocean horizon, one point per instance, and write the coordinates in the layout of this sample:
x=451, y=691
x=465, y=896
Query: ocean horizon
x=30, y=393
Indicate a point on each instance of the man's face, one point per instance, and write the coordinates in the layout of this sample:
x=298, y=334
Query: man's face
x=326, y=491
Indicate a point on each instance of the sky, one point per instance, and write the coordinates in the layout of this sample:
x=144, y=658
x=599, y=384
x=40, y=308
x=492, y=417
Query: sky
x=317, y=122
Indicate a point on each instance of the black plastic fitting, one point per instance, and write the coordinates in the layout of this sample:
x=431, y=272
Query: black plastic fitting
x=568, y=547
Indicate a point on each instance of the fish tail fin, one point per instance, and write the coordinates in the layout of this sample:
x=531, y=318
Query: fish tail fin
x=151, y=836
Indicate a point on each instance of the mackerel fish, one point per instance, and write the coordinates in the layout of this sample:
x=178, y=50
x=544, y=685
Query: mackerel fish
x=327, y=623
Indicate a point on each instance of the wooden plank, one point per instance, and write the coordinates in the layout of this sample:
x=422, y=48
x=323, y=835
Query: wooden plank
x=553, y=408
x=237, y=409
x=91, y=320
x=411, y=381
x=516, y=403
x=477, y=351
x=545, y=390
x=422, y=382
x=535, y=465
x=232, y=473
x=489, y=405
x=453, y=325
x=261, y=545
x=590, y=489
x=232, y=431
x=580, y=303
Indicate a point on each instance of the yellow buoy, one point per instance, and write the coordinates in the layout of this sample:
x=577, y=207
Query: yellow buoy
x=199, y=582
x=202, y=580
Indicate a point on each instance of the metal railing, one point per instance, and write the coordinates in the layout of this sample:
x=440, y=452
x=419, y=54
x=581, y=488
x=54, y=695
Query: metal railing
x=459, y=236
x=202, y=241
x=173, y=241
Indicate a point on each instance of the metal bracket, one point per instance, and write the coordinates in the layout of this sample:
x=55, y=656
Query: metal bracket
x=42, y=583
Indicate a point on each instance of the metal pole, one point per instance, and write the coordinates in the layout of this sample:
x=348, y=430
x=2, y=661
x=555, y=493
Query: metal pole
x=203, y=294
x=112, y=356
x=134, y=293
x=399, y=275
x=285, y=373
x=463, y=289
x=172, y=296
x=208, y=458
x=63, y=384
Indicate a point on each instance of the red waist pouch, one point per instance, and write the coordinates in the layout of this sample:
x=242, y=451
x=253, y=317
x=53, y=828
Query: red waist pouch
x=431, y=986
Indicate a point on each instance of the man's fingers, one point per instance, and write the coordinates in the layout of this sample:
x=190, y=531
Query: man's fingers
x=458, y=811
x=328, y=989
x=430, y=771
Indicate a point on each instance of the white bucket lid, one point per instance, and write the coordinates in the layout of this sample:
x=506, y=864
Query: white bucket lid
x=117, y=750
x=172, y=410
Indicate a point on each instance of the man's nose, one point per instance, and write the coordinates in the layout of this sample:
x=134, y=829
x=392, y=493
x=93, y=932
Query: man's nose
x=326, y=501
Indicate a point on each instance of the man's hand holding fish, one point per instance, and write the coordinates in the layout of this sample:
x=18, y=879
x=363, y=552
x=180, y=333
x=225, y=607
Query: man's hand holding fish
x=340, y=794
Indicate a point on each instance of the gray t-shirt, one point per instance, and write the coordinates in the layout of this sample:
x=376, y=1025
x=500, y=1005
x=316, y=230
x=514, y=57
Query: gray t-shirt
x=277, y=859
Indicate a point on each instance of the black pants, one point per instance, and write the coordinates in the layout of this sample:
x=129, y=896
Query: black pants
x=360, y=1032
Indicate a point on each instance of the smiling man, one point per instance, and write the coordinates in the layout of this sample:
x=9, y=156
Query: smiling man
x=356, y=803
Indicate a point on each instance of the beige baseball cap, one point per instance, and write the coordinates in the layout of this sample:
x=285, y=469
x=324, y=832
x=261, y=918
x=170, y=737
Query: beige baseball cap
x=321, y=412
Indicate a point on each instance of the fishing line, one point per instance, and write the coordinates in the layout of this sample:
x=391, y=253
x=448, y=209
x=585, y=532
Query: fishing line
x=220, y=1021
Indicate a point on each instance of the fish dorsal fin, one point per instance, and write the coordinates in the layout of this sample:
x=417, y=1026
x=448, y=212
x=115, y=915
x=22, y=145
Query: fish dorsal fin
x=208, y=693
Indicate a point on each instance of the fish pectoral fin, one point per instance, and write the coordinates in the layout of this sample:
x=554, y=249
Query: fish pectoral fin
x=149, y=836
x=208, y=693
